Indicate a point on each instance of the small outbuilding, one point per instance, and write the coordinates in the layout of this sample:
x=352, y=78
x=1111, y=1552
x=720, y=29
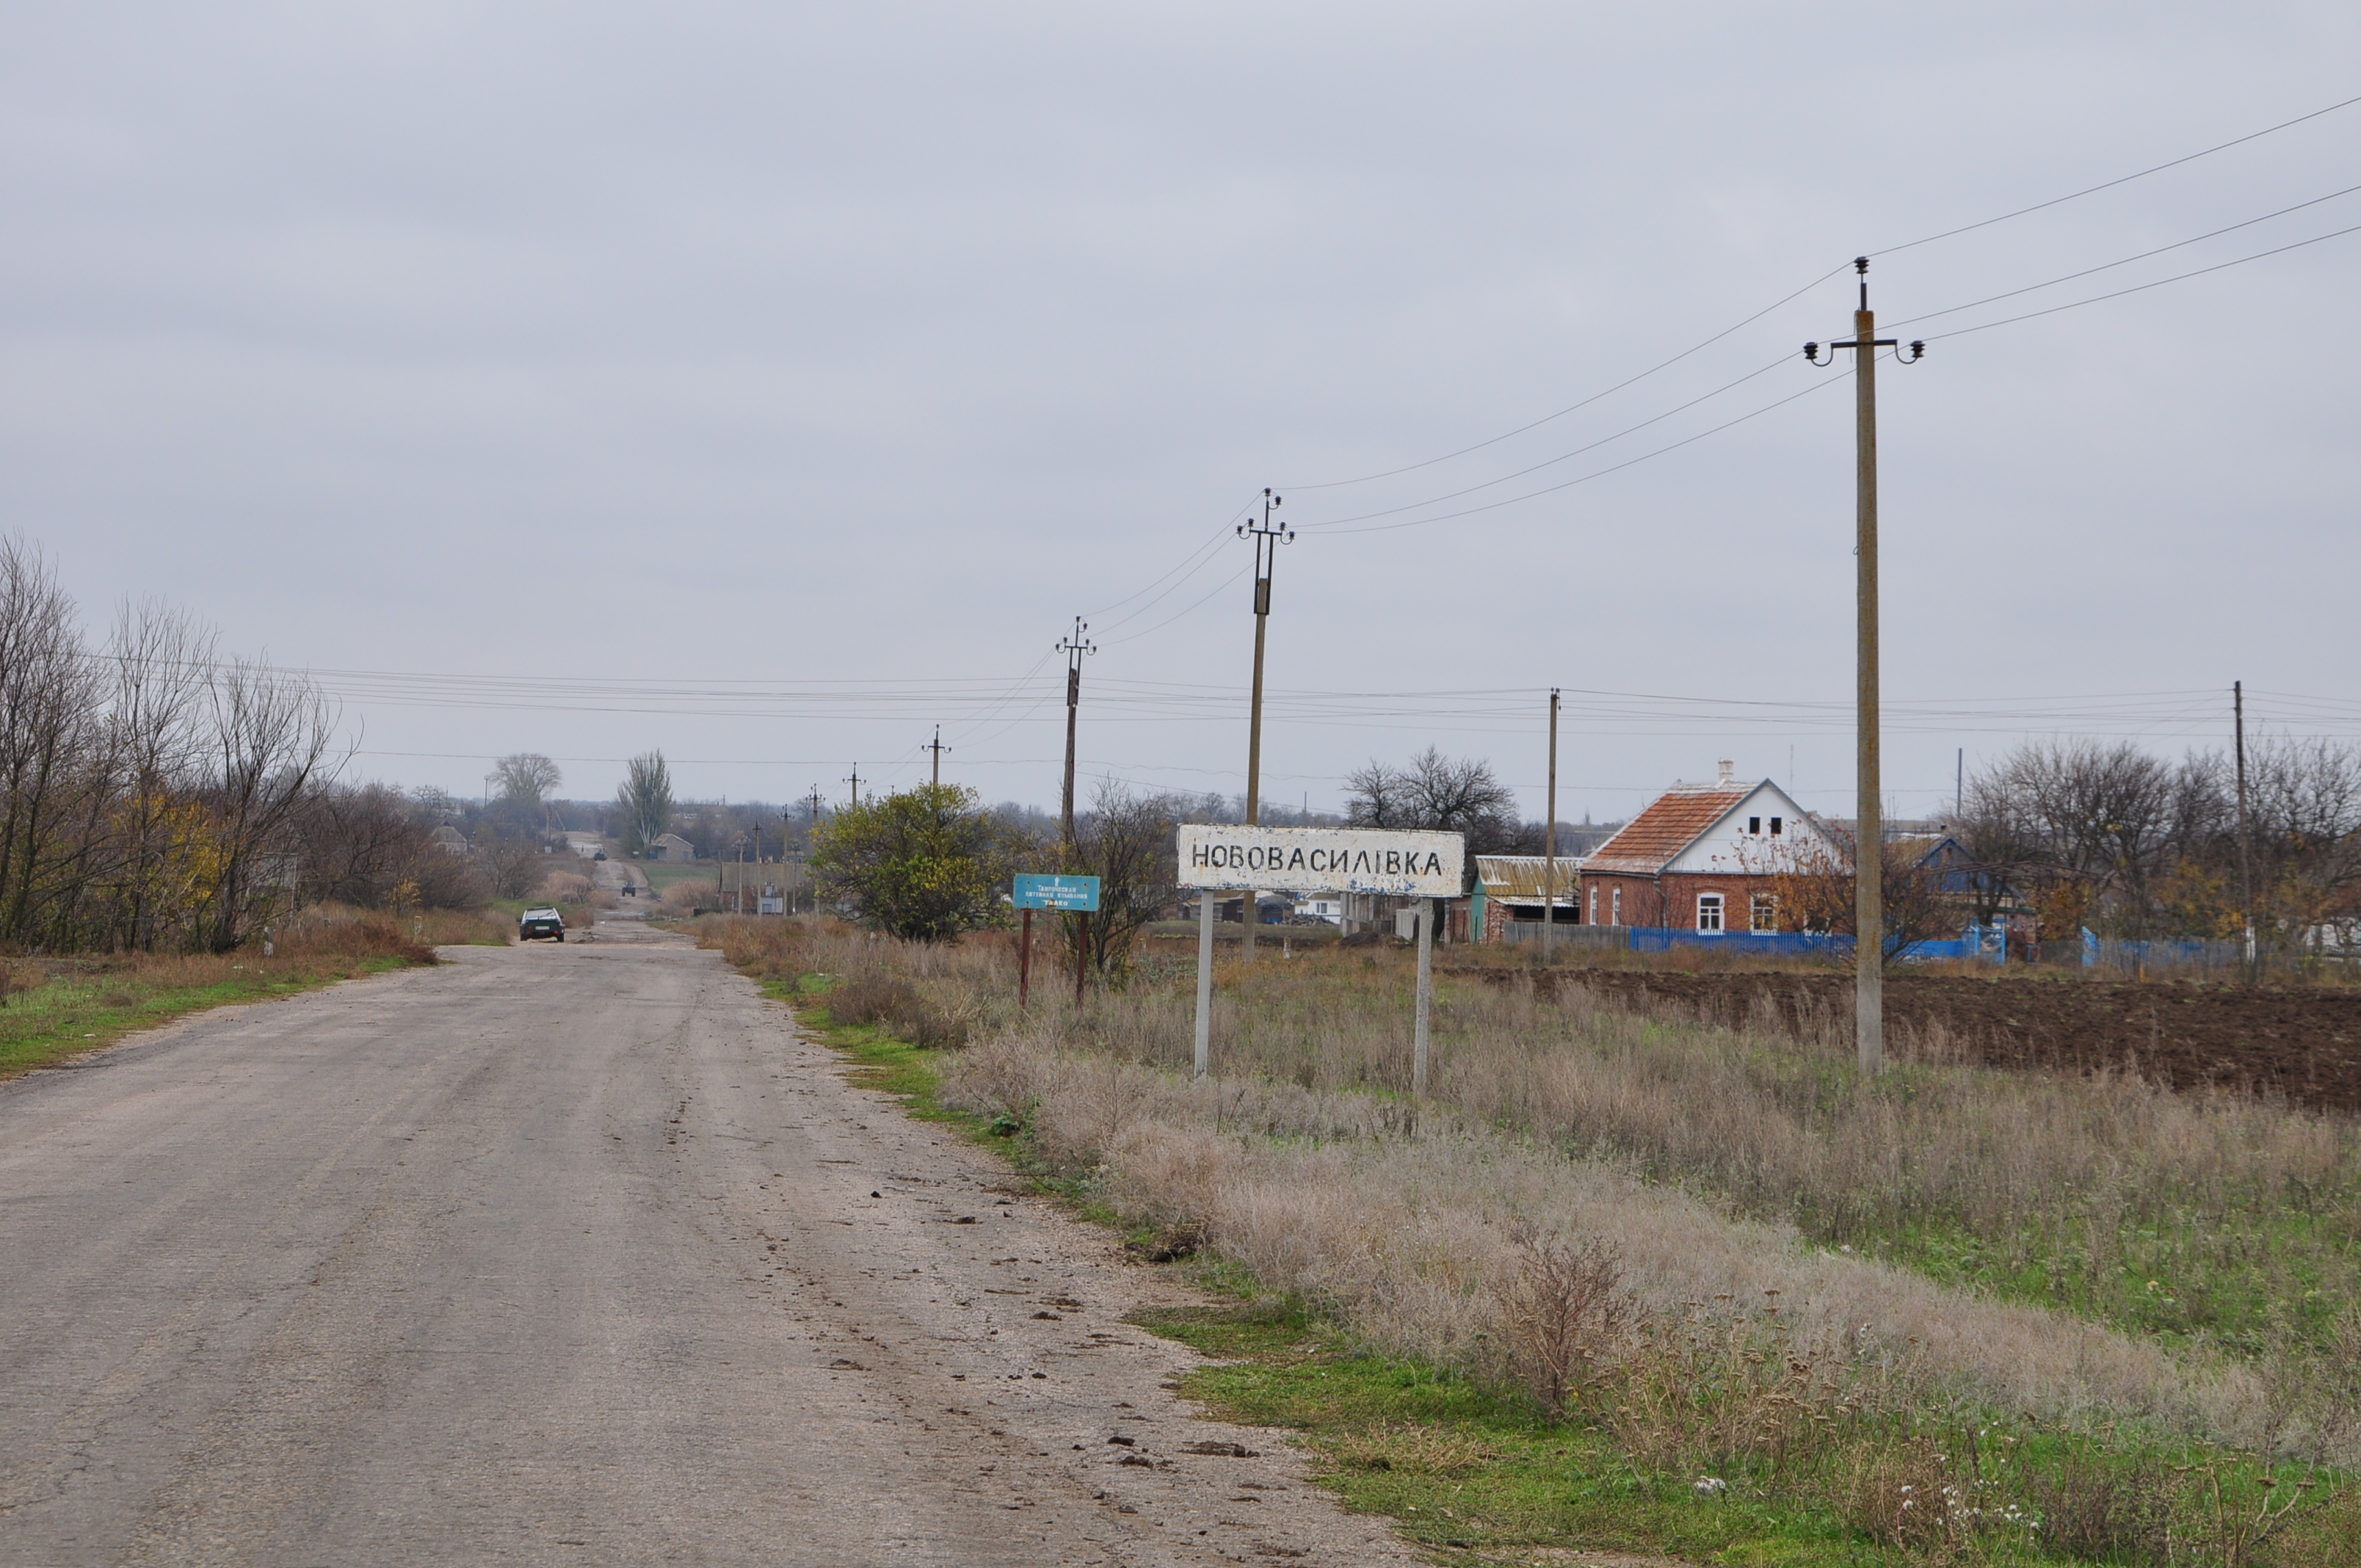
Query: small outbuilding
x=669, y=847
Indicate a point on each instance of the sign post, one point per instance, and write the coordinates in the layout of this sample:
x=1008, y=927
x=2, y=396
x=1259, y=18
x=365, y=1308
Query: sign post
x=1023, y=958
x=1425, y=996
x=1215, y=858
x=1204, y=982
x=1047, y=890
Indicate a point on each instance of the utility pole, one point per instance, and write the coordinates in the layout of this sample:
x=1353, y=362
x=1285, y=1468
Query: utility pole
x=855, y=781
x=2246, y=859
x=1074, y=648
x=1869, y=834
x=1267, y=537
x=937, y=748
x=811, y=842
x=1549, y=840
x=1960, y=790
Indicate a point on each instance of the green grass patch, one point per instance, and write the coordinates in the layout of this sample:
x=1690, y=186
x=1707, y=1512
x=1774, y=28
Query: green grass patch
x=77, y=1009
x=910, y=1073
x=1465, y=1469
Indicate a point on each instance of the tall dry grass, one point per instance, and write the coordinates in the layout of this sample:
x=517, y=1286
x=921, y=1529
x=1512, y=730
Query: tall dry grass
x=2247, y=1213
x=1412, y=1226
x=1725, y=1170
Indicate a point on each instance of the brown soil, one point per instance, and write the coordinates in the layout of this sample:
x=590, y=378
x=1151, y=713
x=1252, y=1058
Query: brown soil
x=2302, y=1043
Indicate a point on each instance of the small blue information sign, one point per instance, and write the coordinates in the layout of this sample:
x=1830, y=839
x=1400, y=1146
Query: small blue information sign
x=1043, y=890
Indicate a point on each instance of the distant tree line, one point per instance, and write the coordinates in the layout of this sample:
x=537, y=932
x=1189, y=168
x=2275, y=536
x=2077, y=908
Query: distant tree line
x=153, y=794
x=2134, y=846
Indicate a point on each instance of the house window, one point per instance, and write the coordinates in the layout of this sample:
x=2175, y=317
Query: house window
x=1708, y=911
x=1764, y=913
x=1618, y=903
x=1754, y=826
x=1594, y=906
x=1774, y=828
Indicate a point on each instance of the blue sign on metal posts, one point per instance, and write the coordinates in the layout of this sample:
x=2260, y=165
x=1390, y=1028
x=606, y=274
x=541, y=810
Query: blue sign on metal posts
x=1043, y=890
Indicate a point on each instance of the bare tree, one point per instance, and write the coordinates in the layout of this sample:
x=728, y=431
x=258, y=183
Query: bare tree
x=49, y=703
x=163, y=662
x=526, y=779
x=1125, y=841
x=1437, y=794
x=269, y=743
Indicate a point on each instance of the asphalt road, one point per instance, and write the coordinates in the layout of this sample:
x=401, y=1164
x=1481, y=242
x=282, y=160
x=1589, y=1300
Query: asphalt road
x=573, y=1255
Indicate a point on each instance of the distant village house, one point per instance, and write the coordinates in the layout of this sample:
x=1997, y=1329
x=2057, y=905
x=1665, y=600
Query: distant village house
x=1703, y=858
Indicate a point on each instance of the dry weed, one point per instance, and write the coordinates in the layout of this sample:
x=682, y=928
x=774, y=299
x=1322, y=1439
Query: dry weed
x=1562, y=1317
x=1415, y=1450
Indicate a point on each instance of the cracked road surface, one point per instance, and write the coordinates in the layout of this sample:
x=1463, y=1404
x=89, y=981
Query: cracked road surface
x=574, y=1255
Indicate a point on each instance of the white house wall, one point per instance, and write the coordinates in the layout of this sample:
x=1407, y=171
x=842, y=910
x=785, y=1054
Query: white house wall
x=1726, y=849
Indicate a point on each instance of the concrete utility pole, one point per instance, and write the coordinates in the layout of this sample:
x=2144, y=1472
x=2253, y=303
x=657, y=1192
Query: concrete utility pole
x=937, y=748
x=2246, y=862
x=811, y=842
x=1549, y=840
x=855, y=781
x=1074, y=648
x=1267, y=537
x=1869, y=836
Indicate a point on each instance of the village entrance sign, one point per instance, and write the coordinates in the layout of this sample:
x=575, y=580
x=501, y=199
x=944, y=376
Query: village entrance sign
x=1424, y=866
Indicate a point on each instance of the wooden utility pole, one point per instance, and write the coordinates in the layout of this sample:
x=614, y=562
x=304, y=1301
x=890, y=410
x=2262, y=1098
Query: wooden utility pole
x=1549, y=840
x=1267, y=537
x=2245, y=855
x=1869, y=835
x=1074, y=648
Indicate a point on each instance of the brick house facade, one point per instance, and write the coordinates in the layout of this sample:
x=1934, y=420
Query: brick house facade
x=1702, y=857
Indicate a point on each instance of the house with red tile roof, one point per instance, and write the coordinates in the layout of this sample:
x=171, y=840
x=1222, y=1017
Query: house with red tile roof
x=1702, y=857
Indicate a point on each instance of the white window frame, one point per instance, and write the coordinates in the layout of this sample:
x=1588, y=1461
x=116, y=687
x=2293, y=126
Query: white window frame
x=1718, y=906
x=1594, y=904
x=1617, y=901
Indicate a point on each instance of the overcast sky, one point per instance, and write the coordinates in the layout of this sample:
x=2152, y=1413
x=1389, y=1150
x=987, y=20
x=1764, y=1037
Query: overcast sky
x=635, y=368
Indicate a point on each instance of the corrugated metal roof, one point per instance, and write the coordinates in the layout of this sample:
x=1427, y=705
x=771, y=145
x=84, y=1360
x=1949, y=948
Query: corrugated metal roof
x=1518, y=878
x=1670, y=824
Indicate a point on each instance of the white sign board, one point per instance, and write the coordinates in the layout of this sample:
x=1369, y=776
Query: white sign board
x=1323, y=860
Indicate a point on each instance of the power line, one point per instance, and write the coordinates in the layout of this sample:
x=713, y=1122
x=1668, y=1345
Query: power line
x=1585, y=402
x=1789, y=297
x=1561, y=457
x=2121, y=180
x=1594, y=474
x=2143, y=288
x=2143, y=255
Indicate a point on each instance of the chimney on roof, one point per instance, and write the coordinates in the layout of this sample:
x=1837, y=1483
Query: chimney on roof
x=1729, y=771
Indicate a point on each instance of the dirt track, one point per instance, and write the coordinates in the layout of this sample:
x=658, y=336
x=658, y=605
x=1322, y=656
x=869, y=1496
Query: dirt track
x=574, y=1255
x=2302, y=1042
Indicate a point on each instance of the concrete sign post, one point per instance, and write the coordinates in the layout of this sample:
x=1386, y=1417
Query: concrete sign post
x=1037, y=890
x=1424, y=866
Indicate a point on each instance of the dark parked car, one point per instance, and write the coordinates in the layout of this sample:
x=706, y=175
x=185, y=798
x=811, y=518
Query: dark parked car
x=540, y=921
x=600, y=855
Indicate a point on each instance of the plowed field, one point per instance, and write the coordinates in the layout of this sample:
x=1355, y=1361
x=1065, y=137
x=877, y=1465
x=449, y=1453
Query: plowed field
x=2304, y=1043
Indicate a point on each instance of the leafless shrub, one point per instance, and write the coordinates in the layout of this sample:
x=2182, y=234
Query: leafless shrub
x=1562, y=1317
x=2091, y=1505
x=873, y=998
